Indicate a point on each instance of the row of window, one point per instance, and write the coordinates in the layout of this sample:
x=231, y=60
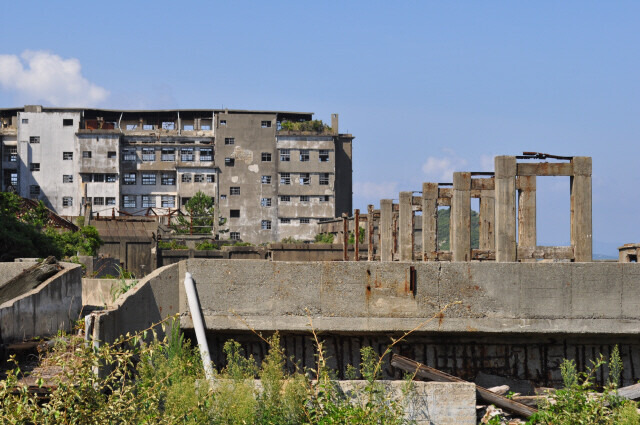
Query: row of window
x=304, y=179
x=100, y=200
x=166, y=179
x=267, y=202
x=167, y=125
x=285, y=155
x=99, y=178
x=147, y=201
x=66, y=122
x=266, y=224
x=167, y=154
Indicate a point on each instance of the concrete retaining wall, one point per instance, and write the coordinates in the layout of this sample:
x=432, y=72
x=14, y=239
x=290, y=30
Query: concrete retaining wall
x=97, y=292
x=313, y=252
x=54, y=305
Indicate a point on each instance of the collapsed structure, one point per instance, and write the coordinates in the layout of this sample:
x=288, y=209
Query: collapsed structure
x=270, y=182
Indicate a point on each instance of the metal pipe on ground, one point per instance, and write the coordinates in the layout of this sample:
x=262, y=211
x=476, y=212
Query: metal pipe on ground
x=198, y=325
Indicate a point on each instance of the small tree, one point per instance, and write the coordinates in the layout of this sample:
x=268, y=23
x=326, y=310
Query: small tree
x=202, y=213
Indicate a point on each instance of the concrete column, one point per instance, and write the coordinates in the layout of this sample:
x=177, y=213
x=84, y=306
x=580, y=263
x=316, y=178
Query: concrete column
x=527, y=213
x=486, y=225
x=405, y=227
x=369, y=232
x=505, y=169
x=429, y=220
x=386, y=231
x=581, y=209
x=461, y=217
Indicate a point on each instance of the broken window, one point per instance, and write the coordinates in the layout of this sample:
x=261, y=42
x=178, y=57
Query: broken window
x=67, y=178
x=85, y=154
x=168, y=180
x=285, y=220
x=304, y=155
x=98, y=200
x=186, y=178
x=129, y=154
x=285, y=198
x=234, y=190
x=110, y=200
x=265, y=202
x=305, y=221
x=129, y=179
x=198, y=178
x=324, y=198
x=324, y=155
x=234, y=213
x=265, y=124
x=211, y=178
x=168, y=201
x=206, y=154
x=149, y=178
x=67, y=201
x=184, y=200
x=234, y=236
x=304, y=198
x=168, y=125
x=34, y=190
x=168, y=154
x=305, y=179
x=86, y=178
x=34, y=139
x=111, y=154
x=265, y=224
x=223, y=197
x=67, y=122
x=129, y=201
x=229, y=162
x=34, y=166
x=11, y=153
x=266, y=179
x=266, y=157
x=229, y=140
x=25, y=121
x=67, y=156
x=148, y=201
x=111, y=178
x=223, y=122
x=285, y=178
x=324, y=179
x=148, y=154
x=186, y=154
x=285, y=155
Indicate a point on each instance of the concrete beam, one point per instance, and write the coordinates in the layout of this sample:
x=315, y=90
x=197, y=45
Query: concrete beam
x=405, y=227
x=461, y=217
x=505, y=194
x=386, y=230
x=581, y=209
x=429, y=220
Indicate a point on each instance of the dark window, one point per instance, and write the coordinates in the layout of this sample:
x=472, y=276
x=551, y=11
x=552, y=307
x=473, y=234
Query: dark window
x=285, y=155
x=98, y=178
x=206, y=154
x=265, y=124
x=34, y=166
x=234, y=236
x=186, y=154
x=211, y=178
x=229, y=141
x=285, y=178
x=110, y=201
x=66, y=156
x=324, y=198
x=67, y=201
x=234, y=213
x=304, y=198
x=285, y=198
x=25, y=121
x=168, y=154
x=67, y=178
x=234, y=190
x=305, y=179
x=148, y=154
x=186, y=178
x=34, y=190
x=168, y=180
x=11, y=153
x=111, y=154
x=111, y=178
x=67, y=122
x=265, y=202
x=86, y=154
x=324, y=179
x=224, y=122
x=265, y=224
x=98, y=200
x=304, y=221
x=198, y=178
x=285, y=220
x=229, y=162
x=129, y=155
x=266, y=180
x=304, y=155
x=266, y=157
x=324, y=156
x=129, y=178
x=34, y=139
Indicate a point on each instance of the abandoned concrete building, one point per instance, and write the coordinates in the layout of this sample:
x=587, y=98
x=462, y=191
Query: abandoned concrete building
x=268, y=182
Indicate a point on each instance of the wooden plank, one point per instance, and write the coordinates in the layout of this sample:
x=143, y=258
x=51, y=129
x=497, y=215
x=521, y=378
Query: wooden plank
x=427, y=372
x=545, y=252
x=416, y=201
x=445, y=192
x=483, y=184
x=483, y=254
x=444, y=202
x=545, y=169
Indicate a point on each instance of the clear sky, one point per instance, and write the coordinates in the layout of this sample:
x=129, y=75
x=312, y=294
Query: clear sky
x=426, y=88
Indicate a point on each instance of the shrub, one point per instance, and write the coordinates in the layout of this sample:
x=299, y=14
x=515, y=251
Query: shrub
x=206, y=245
x=172, y=244
x=324, y=238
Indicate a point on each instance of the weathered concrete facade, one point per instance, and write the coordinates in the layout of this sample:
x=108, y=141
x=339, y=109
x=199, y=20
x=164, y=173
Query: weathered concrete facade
x=267, y=182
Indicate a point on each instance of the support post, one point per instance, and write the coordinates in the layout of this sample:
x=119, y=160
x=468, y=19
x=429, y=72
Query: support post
x=486, y=225
x=429, y=221
x=505, y=193
x=369, y=232
x=356, y=235
x=527, y=213
x=405, y=228
x=345, y=238
x=581, y=209
x=385, y=230
x=461, y=217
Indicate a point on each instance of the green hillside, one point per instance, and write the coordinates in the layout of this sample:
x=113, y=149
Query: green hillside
x=443, y=229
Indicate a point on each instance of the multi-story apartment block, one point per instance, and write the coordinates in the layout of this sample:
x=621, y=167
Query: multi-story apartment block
x=268, y=183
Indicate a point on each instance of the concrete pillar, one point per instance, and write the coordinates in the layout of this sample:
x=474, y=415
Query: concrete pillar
x=527, y=213
x=486, y=225
x=385, y=229
x=405, y=227
x=581, y=209
x=429, y=221
x=369, y=232
x=505, y=194
x=461, y=217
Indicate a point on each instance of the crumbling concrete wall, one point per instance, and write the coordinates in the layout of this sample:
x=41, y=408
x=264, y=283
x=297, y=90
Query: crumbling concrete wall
x=53, y=306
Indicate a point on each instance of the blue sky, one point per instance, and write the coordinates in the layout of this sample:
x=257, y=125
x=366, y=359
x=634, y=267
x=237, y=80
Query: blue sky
x=426, y=87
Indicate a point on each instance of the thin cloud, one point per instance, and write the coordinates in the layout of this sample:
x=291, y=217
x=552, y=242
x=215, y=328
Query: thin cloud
x=442, y=168
x=43, y=77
